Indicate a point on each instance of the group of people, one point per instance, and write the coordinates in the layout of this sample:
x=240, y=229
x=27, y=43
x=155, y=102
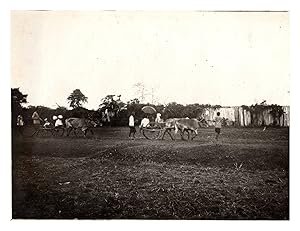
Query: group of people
x=38, y=121
x=145, y=122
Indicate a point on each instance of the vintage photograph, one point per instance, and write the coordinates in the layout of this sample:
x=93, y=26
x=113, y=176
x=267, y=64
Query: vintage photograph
x=154, y=115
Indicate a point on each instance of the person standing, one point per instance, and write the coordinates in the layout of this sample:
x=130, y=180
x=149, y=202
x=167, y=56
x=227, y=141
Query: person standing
x=132, y=129
x=20, y=124
x=36, y=120
x=218, y=125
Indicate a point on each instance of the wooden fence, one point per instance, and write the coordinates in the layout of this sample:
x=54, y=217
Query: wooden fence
x=238, y=116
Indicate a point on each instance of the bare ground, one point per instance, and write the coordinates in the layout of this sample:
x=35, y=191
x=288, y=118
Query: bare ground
x=108, y=176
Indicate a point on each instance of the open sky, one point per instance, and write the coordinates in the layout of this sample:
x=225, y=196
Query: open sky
x=226, y=58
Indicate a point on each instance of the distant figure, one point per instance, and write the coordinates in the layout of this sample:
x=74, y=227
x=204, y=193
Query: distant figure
x=144, y=123
x=58, y=122
x=131, y=126
x=36, y=119
x=20, y=124
x=218, y=125
x=158, y=119
x=46, y=123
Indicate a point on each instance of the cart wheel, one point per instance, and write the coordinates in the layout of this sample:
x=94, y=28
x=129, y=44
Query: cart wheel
x=58, y=131
x=153, y=131
x=47, y=132
x=28, y=131
x=36, y=132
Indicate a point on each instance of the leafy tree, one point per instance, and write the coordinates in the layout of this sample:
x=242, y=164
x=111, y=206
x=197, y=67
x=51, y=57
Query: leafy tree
x=17, y=98
x=76, y=99
x=79, y=112
x=112, y=105
x=134, y=101
x=174, y=110
x=276, y=112
x=193, y=110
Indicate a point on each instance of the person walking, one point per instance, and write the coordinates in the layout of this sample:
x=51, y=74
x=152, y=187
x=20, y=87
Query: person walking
x=218, y=125
x=20, y=124
x=132, y=129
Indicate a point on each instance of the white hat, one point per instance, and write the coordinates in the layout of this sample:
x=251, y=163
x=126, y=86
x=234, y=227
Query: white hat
x=54, y=117
x=60, y=116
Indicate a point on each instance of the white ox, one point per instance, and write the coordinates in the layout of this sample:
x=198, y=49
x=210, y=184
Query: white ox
x=169, y=125
x=79, y=123
x=189, y=125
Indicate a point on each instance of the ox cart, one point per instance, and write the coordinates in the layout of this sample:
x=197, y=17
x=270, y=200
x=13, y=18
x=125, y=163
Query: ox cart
x=30, y=131
x=157, y=129
x=51, y=131
x=154, y=129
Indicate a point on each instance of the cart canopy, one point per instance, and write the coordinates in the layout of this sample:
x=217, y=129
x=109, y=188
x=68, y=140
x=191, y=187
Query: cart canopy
x=149, y=109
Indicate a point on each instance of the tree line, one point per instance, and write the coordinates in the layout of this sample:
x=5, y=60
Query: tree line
x=110, y=106
x=114, y=112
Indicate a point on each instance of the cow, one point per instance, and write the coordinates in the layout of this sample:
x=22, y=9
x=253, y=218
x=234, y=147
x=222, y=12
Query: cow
x=189, y=125
x=79, y=123
x=169, y=125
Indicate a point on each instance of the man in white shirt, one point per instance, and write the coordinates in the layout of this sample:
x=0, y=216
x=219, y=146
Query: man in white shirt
x=131, y=126
x=218, y=125
x=144, y=123
x=58, y=122
x=158, y=119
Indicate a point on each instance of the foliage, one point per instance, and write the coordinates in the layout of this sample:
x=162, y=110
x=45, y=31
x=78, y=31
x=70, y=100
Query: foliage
x=79, y=112
x=112, y=103
x=174, y=110
x=17, y=99
x=118, y=111
x=61, y=111
x=276, y=112
x=77, y=98
x=112, y=106
x=258, y=109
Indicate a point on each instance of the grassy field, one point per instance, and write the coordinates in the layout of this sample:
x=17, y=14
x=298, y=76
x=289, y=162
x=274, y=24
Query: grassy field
x=108, y=176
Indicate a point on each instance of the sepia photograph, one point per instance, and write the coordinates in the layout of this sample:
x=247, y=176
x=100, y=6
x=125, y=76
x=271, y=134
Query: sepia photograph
x=150, y=115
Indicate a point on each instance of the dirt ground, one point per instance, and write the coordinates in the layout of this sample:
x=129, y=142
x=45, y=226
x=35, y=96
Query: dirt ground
x=108, y=176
